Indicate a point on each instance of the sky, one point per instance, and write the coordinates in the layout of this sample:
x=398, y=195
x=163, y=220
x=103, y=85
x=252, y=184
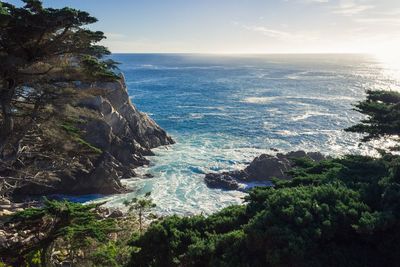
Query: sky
x=245, y=26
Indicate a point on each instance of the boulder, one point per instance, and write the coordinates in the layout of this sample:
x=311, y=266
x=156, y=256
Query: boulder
x=223, y=180
x=262, y=168
x=115, y=214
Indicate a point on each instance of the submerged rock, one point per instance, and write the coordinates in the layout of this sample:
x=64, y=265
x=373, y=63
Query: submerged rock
x=262, y=168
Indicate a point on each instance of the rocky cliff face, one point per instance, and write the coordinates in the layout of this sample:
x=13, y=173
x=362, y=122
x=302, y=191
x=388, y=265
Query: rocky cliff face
x=122, y=118
x=262, y=168
x=104, y=141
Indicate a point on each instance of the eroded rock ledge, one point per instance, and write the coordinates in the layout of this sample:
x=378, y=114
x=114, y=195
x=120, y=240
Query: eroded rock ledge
x=263, y=168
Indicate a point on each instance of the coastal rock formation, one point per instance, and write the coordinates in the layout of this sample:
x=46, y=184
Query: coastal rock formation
x=122, y=119
x=262, y=168
x=89, y=154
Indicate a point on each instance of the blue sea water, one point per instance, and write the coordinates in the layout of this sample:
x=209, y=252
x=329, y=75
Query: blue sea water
x=225, y=110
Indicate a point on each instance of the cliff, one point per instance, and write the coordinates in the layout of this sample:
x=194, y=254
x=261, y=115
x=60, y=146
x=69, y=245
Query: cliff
x=91, y=144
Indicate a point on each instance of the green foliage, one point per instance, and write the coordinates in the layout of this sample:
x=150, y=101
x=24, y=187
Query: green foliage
x=73, y=222
x=382, y=109
x=33, y=259
x=142, y=206
x=337, y=212
x=106, y=255
x=2, y=264
x=88, y=145
x=42, y=48
x=100, y=70
x=70, y=128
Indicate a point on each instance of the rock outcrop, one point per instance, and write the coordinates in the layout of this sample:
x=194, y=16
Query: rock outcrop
x=121, y=120
x=106, y=140
x=262, y=168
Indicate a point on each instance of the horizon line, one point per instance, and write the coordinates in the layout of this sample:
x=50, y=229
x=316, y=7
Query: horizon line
x=245, y=53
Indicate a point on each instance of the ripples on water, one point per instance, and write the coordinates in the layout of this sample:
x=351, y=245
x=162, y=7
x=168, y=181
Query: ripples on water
x=224, y=111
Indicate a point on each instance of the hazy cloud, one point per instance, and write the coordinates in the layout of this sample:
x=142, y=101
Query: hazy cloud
x=277, y=33
x=351, y=7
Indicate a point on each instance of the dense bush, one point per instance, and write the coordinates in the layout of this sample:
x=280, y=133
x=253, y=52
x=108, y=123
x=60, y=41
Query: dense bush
x=339, y=212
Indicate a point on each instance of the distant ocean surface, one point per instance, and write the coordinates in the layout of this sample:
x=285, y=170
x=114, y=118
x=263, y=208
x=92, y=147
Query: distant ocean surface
x=225, y=110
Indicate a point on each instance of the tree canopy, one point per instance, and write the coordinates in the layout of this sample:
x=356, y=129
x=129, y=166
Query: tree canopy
x=382, y=110
x=41, y=47
x=56, y=219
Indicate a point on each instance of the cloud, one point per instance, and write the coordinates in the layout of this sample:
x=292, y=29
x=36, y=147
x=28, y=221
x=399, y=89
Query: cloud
x=379, y=21
x=316, y=1
x=267, y=31
x=352, y=10
x=278, y=34
x=351, y=7
x=309, y=1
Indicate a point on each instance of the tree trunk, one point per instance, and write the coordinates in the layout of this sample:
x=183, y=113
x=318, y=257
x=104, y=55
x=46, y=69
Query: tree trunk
x=43, y=258
x=7, y=126
x=6, y=96
x=140, y=222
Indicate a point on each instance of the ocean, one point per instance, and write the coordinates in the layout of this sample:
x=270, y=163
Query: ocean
x=223, y=110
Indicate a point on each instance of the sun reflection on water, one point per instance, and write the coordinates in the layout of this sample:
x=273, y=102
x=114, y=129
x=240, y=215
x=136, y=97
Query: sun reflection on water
x=390, y=64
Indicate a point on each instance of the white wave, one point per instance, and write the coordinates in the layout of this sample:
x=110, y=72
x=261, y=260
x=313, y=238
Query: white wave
x=260, y=100
x=270, y=99
x=326, y=98
x=286, y=133
x=269, y=125
x=309, y=114
x=174, y=117
x=297, y=75
x=143, y=81
x=196, y=115
x=220, y=108
x=310, y=75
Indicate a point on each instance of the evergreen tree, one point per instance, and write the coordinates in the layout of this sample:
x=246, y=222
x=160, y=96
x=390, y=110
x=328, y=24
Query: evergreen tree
x=142, y=206
x=39, y=47
x=72, y=222
x=382, y=110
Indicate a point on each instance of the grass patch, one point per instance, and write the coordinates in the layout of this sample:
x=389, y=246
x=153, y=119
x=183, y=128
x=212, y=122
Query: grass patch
x=85, y=143
x=69, y=127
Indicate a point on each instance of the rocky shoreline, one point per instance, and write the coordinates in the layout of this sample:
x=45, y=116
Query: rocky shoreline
x=107, y=139
x=262, y=169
